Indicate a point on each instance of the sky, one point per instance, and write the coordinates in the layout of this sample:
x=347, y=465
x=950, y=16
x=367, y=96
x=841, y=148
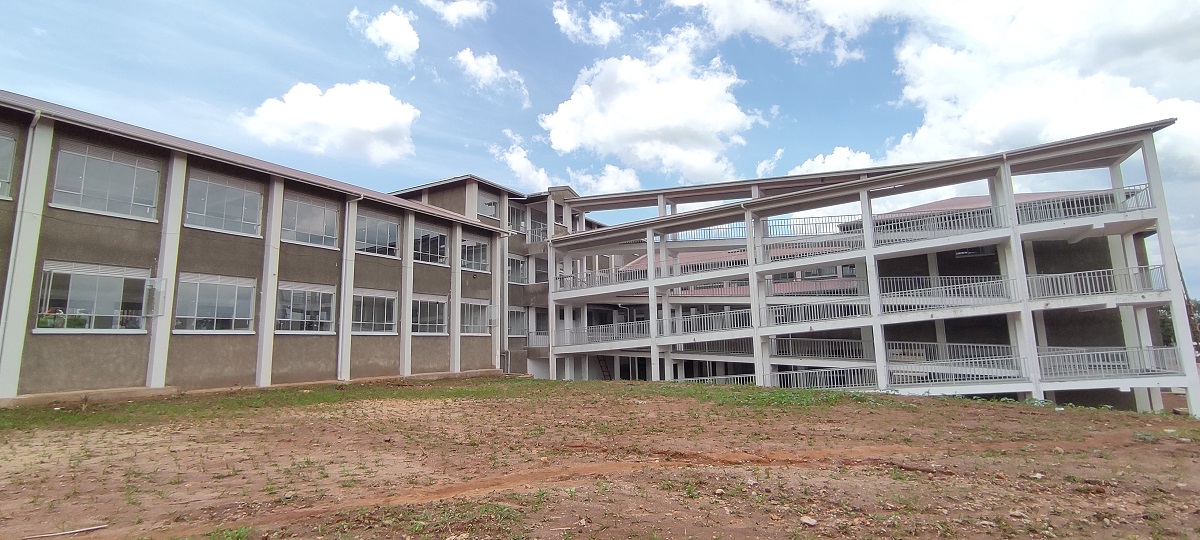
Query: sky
x=628, y=94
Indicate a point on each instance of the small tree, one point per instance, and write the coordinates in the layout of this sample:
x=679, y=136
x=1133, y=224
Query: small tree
x=1167, y=323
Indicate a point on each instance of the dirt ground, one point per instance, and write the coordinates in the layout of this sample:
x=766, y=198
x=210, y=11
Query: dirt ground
x=612, y=460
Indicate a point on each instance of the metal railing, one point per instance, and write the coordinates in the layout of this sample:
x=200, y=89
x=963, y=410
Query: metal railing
x=603, y=333
x=1107, y=201
x=538, y=338
x=722, y=380
x=818, y=311
x=732, y=231
x=809, y=247
x=1093, y=282
x=538, y=232
x=725, y=347
x=734, y=288
x=966, y=371
x=842, y=349
x=708, y=322
x=817, y=287
x=702, y=262
x=597, y=278
x=1071, y=363
x=831, y=378
x=919, y=351
x=900, y=227
x=962, y=291
x=782, y=227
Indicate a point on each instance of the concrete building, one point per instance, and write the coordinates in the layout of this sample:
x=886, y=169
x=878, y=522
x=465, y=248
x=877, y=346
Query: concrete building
x=141, y=260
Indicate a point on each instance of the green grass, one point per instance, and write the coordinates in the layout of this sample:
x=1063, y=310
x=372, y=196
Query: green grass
x=252, y=401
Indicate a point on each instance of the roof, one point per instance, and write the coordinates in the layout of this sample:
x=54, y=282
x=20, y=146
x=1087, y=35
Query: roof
x=68, y=115
x=457, y=180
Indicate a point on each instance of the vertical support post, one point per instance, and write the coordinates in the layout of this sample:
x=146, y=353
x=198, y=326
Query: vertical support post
x=758, y=301
x=346, y=294
x=498, y=251
x=1013, y=264
x=874, y=290
x=652, y=299
x=552, y=316
x=168, y=265
x=269, y=286
x=407, y=232
x=22, y=258
x=454, y=310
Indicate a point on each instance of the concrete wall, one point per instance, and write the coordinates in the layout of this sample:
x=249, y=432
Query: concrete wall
x=912, y=331
x=950, y=264
x=431, y=279
x=304, y=358
x=430, y=354
x=374, y=356
x=516, y=295
x=476, y=353
x=209, y=252
x=1060, y=256
x=476, y=284
x=452, y=198
x=1073, y=328
x=517, y=355
x=381, y=273
x=211, y=360
x=915, y=265
x=65, y=362
x=309, y=264
x=991, y=330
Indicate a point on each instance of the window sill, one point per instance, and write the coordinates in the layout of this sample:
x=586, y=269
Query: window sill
x=518, y=283
x=361, y=333
x=378, y=255
x=214, y=332
x=222, y=231
x=101, y=213
x=474, y=334
x=430, y=334
x=5, y=198
x=305, y=333
x=308, y=244
x=477, y=271
x=443, y=265
x=136, y=332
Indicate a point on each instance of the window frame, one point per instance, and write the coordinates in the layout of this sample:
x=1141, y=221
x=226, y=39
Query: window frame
x=524, y=317
x=524, y=280
x=326, y=206
x=516, y=225
x=426, y=241
x=96, y=156
x=362, y=219
x=469, y=310
x=239, y=284
x=57, y=320
x=229, y=182
x=358, y=310
x=309, y=289
x=472, y=264
x=440, y=304
x=7, y=133
x=482, y=199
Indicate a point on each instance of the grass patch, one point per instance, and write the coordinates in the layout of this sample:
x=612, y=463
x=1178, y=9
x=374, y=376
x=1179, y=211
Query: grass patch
x=436, y=520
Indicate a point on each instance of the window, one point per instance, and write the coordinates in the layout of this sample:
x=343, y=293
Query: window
x=8, y=147
x=827, y=271
x=849, y=270
x=489, y=205
x=518, y=322
x=429, y=244
x=309, y=220
x=376, y=235
x=303, y=307
x=224, y=203
x=92, y=177
x=428, y=315
x=92, y=296
x=541, y=271
x=475, y=253
x=516, y=218
x=374, y=311
x=214, y=303
x=518, y=269
x=475, y=316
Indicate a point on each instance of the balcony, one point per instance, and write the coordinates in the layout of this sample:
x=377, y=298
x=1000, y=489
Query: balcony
x=817, y=311
x=722, y=380
x=735, y=319
x=1079, y=363
x=900, y=227
x=538, y=232
x=1098, y=282
x=604, y=333
x=819, y=349
x=1091, y=203
x=538, y=338
x=864, y=378
x=906, y=294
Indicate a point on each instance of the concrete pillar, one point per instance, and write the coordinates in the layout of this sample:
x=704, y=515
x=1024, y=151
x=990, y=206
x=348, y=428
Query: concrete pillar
x=874, y=290
x=168, y=265
x=346, y=290
x=407, y=232
x=498, y=252
x=454, y=310
x=268, y=288
x=758, y=301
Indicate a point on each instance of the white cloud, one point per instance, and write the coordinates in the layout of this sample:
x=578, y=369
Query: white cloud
x=391, y=30
x=528, y=175
x=840, y=159
x=783, y=23
x=767, y=166
x=457, y=11
x=597, y=28
x=485, y=73
x=664, y=111
x=361, y=118
x=613, y=180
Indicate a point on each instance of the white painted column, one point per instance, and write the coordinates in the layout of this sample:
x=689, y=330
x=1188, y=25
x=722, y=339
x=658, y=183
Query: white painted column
x=454, y=310
x=552, y=316
x=1170, y=261
x=268, y=287
x=471, y=200
x=498, y=251
x=168, y=264
x=652, y=300
x=1012, y=258
x=662, y=205
x=22, y=259
x=874, y=290
x=407, y=230
x=346, y=292
x=758, y=301
x=568, y=218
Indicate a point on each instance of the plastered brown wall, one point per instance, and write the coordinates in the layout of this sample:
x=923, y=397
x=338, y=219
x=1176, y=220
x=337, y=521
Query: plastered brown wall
x=377, y=272
x=913, y=331
x=430, y=354
x=1073, y=328
x=476, y=353
x=211, y=360
x=951, y=265
x=537, y=294
x=307, y=264
x=73, y=236
x=476, y=285
x=990, y=330
x=7, y=213
x=374, y=356
x=453, y=198
x=431, y=279
x=517, y=356
x=916, y=265
x=300, y=358
x=67, y=362
x=208, y=252
x=516, y=295
x=1059, y=256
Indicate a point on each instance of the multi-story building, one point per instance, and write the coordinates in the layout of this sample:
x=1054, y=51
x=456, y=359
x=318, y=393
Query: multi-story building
x=143, y=260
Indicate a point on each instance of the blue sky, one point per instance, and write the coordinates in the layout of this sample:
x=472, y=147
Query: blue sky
x=612, y=96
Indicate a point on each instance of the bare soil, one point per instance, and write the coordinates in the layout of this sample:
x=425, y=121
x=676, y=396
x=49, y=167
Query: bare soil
x=612, y=460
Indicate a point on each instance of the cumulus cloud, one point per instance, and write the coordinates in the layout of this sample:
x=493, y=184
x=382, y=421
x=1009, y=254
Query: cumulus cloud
x=664, y=111
x=391, y=30
x=596, y=28
x=528, y=175
x=612, y=180
x=767, y=166
x=842, y=158
x=783, y=23
x=358, y=119
x=485, y=73
x=457, y=11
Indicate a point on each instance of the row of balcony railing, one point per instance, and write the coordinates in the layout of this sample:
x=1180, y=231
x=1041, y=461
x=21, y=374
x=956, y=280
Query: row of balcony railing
x=793, y=238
